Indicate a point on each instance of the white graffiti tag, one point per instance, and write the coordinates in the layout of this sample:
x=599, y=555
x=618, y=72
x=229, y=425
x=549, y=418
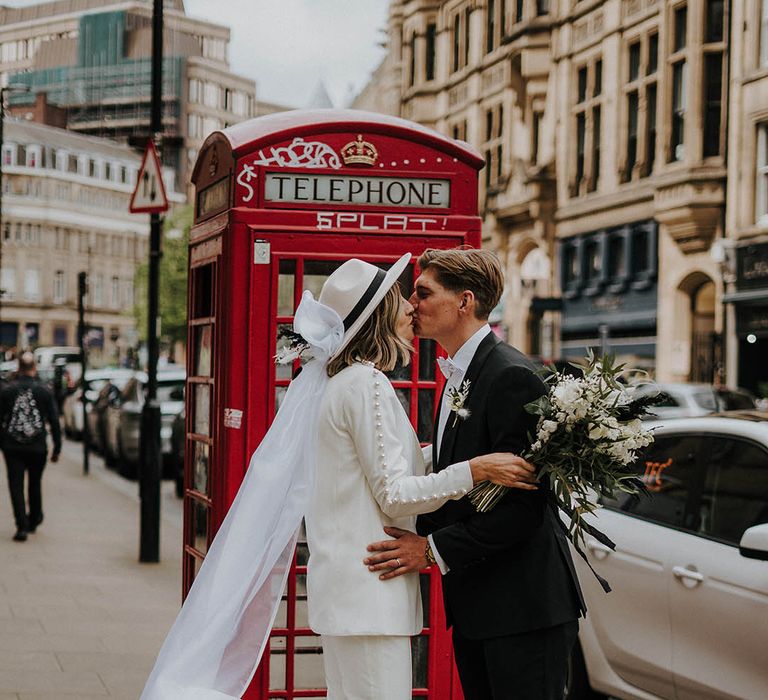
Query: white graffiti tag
x=300, y=154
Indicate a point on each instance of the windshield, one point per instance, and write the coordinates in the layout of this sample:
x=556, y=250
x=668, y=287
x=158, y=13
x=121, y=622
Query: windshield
x=705, y=399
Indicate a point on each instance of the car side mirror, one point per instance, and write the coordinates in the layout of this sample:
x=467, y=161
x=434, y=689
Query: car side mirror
x=754, y=542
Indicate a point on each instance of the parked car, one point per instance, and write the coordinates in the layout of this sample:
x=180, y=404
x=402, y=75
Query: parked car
x=680, y=400
x=48, y=356
x=686, y=616
x=109, y=395
x=124, y=420
x=96, y=379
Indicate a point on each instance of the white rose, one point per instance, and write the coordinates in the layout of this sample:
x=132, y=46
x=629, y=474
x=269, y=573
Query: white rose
x=549, y=426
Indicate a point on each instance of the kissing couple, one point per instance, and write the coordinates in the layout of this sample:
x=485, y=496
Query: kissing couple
x=342, y=455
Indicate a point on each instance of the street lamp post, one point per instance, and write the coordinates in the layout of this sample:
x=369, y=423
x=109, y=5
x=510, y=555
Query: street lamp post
x=8, y=89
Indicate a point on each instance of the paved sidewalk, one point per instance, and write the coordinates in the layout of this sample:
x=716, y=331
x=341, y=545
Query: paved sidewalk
x=79, y=616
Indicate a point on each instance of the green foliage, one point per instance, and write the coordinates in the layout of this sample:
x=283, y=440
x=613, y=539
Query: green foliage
x=173, y=280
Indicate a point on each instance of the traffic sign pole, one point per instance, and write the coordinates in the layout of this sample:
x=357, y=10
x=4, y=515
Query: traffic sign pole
x=150, y=196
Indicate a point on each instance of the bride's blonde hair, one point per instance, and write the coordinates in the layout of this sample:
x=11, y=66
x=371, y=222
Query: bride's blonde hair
x=377, y=340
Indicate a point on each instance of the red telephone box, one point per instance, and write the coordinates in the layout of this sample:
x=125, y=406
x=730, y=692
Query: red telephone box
x=280, y=202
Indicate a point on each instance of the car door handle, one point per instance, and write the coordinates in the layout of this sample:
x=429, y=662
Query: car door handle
x=682, y=572
x=597, y=548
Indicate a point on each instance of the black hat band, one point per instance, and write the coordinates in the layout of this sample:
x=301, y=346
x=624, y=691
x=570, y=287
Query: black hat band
x=369, y=293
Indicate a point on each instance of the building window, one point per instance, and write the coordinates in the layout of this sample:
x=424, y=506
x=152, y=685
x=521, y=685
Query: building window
x=640, y=90
x=490, y=26
x=679, y=68
x=128, y=300
x=96, y=289
x=536, y=119
x=412, y=61
x=495, y=24
x=460, y=40
x=59, y=292
x=429, y=51
x=587, y=117
x=616, y=257
x=633, y=108
x=493, y=146
x=592, y=262
x=114, y=297
x=32, y=285
x=459, y=130
x=714, y=69
x=571, y=270
x=640, y=257
x=8, y=283
x=519, y=10
x=761, y=181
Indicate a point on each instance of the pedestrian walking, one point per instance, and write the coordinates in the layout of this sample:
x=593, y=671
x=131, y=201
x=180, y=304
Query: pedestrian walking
x=25, y=408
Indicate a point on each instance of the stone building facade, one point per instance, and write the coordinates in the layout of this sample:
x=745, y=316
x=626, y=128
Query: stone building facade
x=603, y=125
x=65, y=211
x=92, y=59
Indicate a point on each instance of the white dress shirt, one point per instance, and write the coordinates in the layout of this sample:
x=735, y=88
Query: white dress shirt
x=461, y=359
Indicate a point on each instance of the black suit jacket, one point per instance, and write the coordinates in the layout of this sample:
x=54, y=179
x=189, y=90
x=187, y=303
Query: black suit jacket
x=510, y=569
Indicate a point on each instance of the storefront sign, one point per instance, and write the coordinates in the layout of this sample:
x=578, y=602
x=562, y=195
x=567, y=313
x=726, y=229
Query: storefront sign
x=358, y=190
x=752, y=271
x=751, y=319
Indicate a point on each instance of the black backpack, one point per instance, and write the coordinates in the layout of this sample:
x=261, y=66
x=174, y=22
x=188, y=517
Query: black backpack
x=25, y=424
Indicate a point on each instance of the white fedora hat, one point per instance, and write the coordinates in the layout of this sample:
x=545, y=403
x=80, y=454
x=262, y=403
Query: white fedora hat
x=355, y=289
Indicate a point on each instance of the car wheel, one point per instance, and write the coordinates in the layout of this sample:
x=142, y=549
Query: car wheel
x=577, y=682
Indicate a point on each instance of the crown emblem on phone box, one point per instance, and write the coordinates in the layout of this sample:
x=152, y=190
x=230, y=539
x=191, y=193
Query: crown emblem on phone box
x=359, y=152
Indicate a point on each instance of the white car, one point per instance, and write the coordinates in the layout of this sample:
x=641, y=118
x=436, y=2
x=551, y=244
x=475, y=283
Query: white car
x=688, y=615
x=95, y=379
x=684, y=400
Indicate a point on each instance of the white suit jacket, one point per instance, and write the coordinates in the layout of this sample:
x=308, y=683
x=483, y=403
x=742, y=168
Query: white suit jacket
x=370, y=474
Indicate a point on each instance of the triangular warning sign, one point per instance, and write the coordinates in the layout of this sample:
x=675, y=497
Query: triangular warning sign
x=149, y=196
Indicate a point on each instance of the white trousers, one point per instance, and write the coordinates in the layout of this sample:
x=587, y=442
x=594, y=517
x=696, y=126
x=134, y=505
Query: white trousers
x=367, y=668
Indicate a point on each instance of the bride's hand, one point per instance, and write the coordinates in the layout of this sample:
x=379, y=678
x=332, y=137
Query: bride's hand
x=505, y=469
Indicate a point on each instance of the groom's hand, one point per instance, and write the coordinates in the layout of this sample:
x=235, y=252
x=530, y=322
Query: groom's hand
x=399, y=556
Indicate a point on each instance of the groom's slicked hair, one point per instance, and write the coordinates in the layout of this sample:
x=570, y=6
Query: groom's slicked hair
x=458, y=269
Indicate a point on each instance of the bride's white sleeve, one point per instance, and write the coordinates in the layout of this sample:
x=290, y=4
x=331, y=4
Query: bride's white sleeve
x=370, y=409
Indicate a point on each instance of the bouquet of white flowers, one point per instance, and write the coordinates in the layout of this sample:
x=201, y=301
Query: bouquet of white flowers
x=587, y=438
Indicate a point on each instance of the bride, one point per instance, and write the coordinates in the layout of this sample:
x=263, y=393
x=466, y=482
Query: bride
x=341, y=453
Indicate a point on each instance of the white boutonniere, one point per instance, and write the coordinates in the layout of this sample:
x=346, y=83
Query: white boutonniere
x=456, y=398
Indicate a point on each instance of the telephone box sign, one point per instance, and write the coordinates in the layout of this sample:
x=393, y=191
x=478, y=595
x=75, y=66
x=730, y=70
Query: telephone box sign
x=362, y=191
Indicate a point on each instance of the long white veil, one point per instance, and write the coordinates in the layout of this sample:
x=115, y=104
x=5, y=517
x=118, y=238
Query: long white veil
x=219, y=636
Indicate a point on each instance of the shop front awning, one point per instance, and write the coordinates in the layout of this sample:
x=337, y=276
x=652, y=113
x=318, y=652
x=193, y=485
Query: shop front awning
x=748, y=296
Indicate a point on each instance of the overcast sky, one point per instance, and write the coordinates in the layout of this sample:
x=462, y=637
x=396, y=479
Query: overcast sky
x=287, y=46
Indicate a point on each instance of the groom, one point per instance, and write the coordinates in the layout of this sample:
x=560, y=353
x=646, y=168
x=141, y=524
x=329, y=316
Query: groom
x=509, y=585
